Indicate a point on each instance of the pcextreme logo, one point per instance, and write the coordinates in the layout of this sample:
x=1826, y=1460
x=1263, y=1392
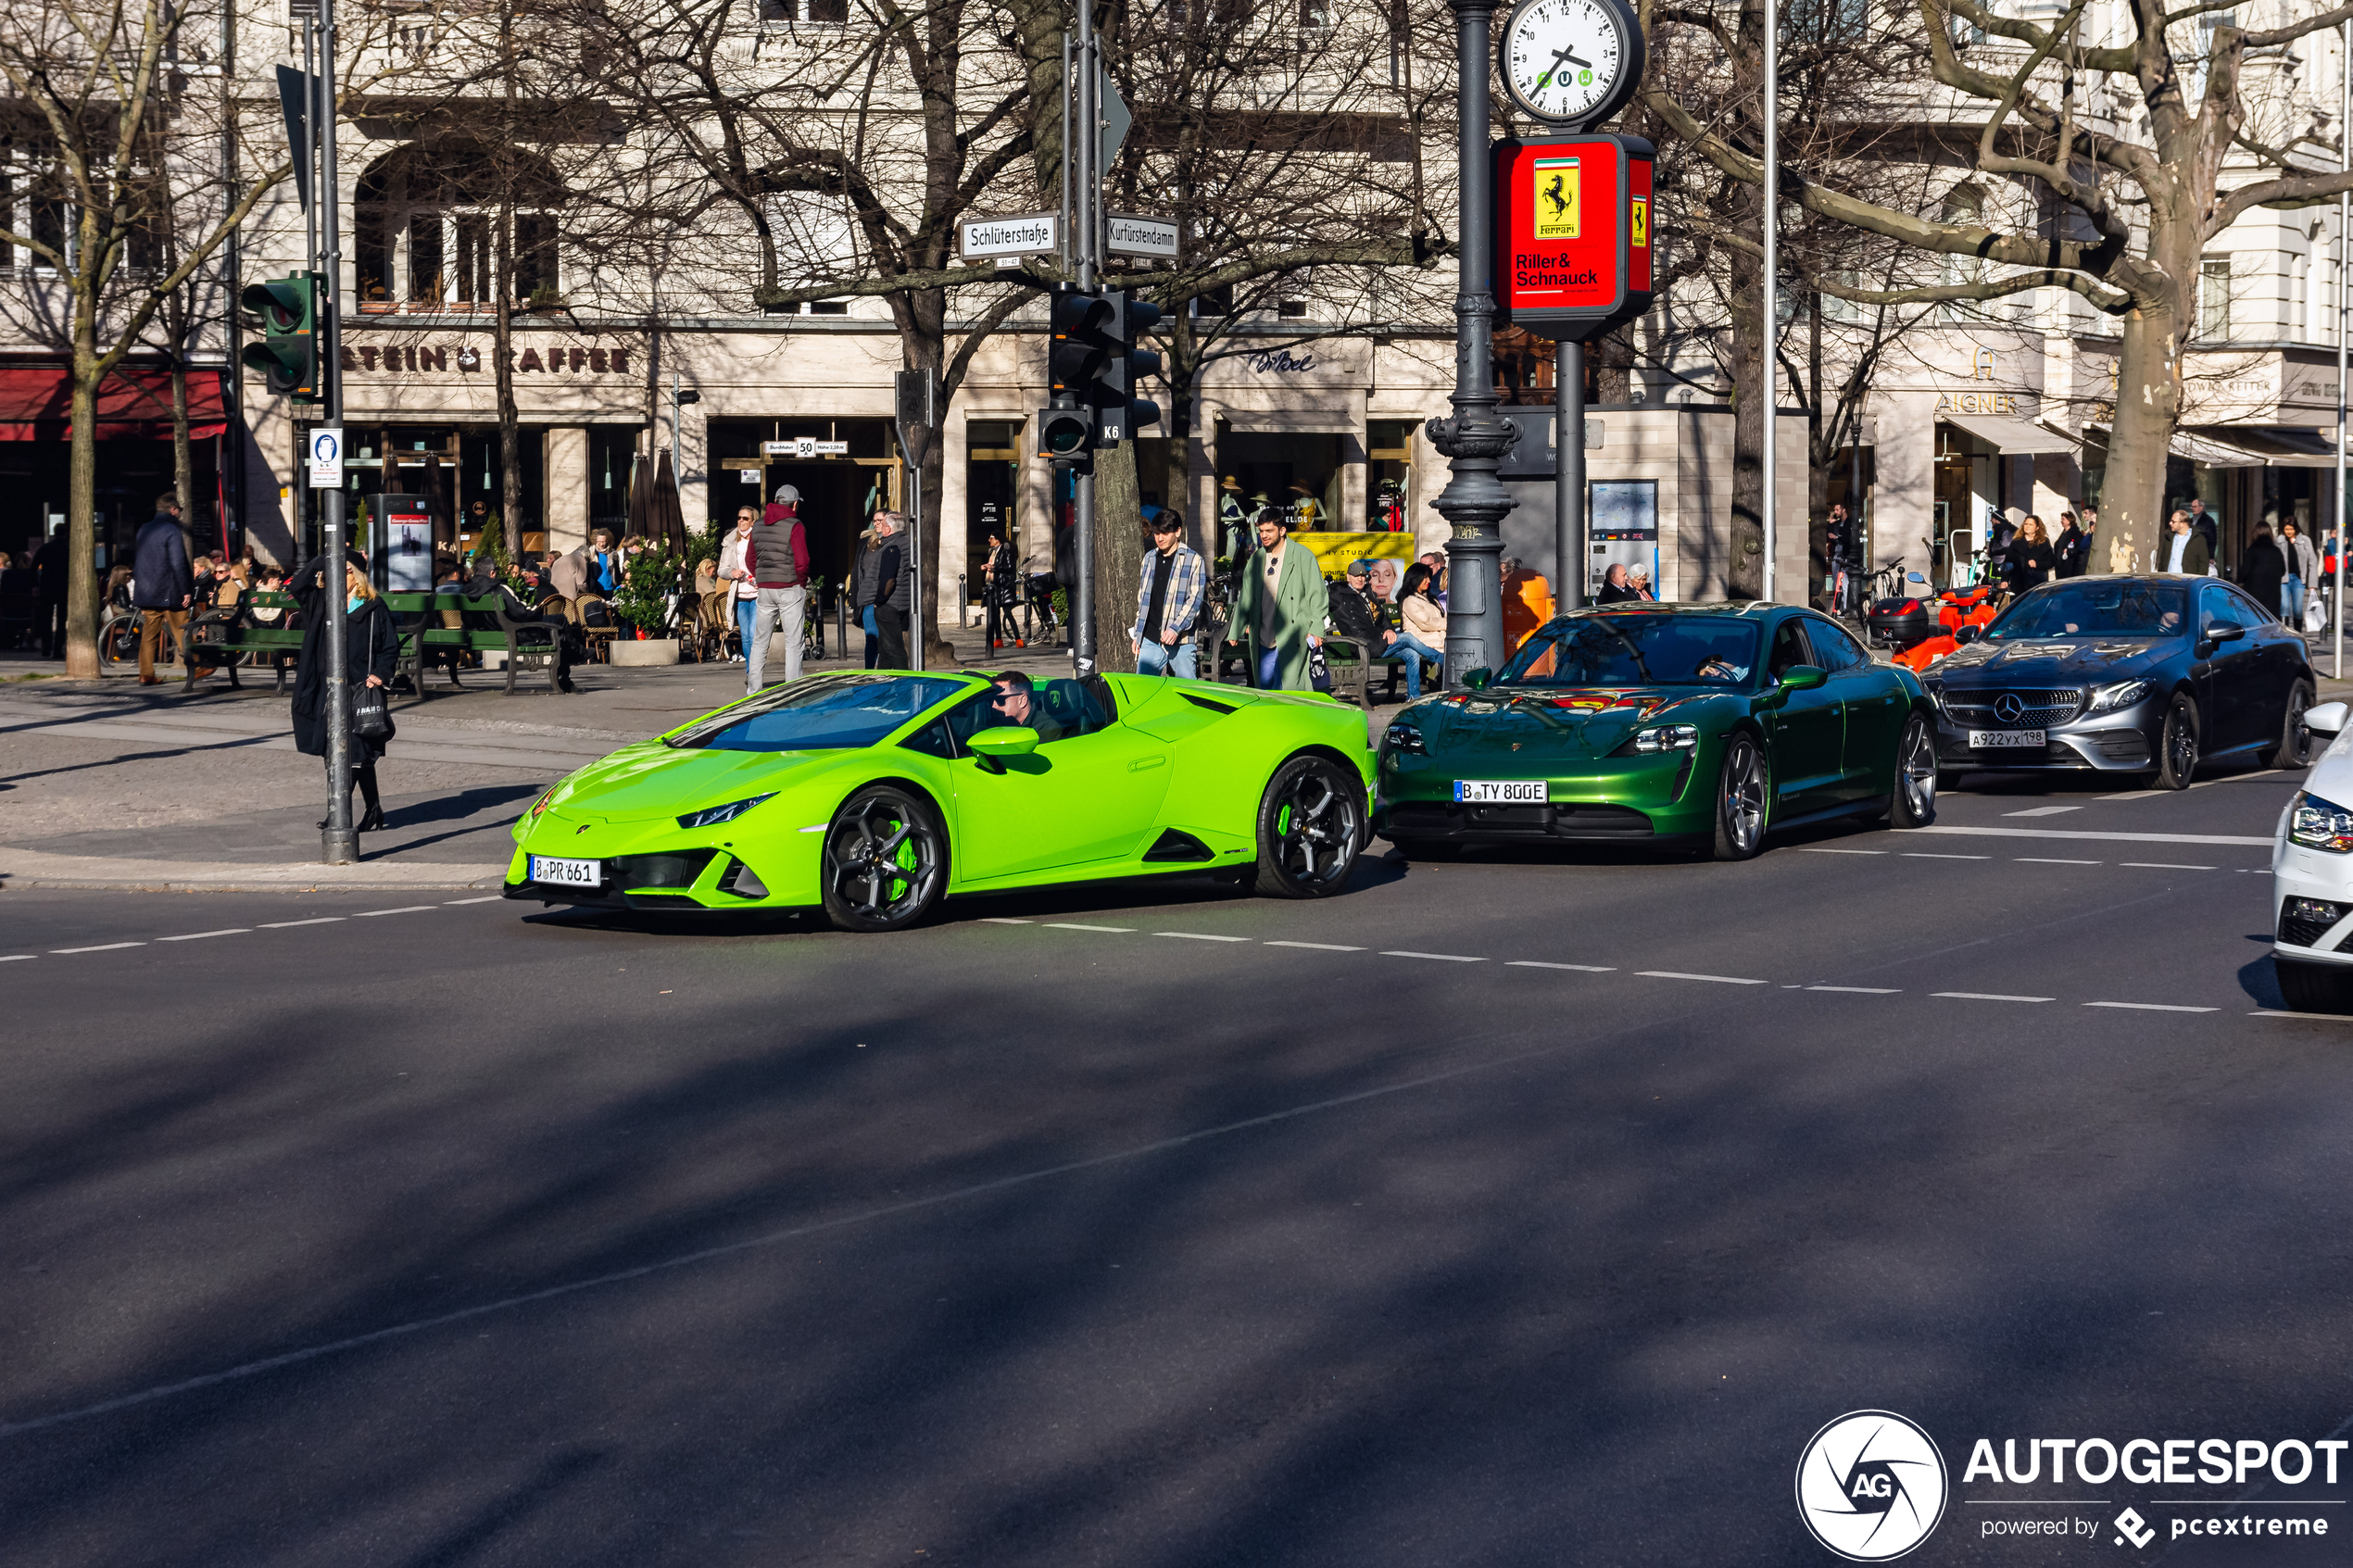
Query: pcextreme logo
x=1871, y=1485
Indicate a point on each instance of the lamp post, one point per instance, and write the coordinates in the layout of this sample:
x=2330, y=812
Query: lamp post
x=1475, y=438
x=340, y=844
x=1772, y=327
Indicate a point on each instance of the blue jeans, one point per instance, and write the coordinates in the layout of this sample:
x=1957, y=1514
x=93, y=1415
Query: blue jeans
x=1270, y=662
x=1157, y=658
x=2292, y=602
x=746, y=613
x=1412, y=651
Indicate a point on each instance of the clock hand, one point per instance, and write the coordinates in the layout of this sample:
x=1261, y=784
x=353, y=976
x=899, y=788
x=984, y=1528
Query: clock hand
x=1544, y=80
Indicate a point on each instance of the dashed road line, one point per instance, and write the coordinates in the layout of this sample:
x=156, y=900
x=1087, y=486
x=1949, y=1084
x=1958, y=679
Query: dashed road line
x=1066, y=925
x=200, y=936
x=2150, y=1007
x=2053, y=860
x=1004, y=920
x=1932, y=854
x=289, y=924
x=1580, y=967
x=2162, y=866
x=405, y=910
x=101, y=948
x=1718, y=979
x=1199, y=936
x=2085, y=836
x=2042, y=812
x=1861, y=990
x=1819, y=849
x=1988, y=997
x=2135, y=794
x=1441, y=957
x=486, y=898
x=2315, y=1017
x=1319, y=946
x=17, y=958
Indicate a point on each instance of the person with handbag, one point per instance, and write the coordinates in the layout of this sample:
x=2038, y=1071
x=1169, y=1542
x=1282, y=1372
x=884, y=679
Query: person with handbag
x=370, y=650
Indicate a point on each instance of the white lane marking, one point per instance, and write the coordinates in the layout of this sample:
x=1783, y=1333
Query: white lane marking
x=1932, y=854
x=486, y=898
x=2162, y=866
x=102, y=947
x=1719, y=979
x=2107, y=837
x=17, y=958
x=1580, y=968
x=1319, y=947
x=1004, y=920
x=1441, y=957
x=283, y=924
x=2042, y=812
x=404, y=909
x=1199, y=936
x=2052, y=861
x=2150, y=1007
x=1815, y=849
x=200, y=936
x=2315, y=1017
x=1065, y=925
x=1862, y=990
x=1986, y=996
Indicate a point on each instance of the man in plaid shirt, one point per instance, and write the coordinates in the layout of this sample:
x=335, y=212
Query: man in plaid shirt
x=1168, y=601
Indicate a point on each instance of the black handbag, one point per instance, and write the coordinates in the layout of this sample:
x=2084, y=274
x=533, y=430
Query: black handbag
x=370, y=718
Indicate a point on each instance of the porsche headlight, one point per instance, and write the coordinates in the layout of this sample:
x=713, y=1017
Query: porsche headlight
x=1401, y=735
x=1665, y=737
x=711, y=817
x=2123, y=694
x=2320, y=824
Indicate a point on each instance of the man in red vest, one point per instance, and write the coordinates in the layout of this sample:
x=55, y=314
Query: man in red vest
x=778, y=556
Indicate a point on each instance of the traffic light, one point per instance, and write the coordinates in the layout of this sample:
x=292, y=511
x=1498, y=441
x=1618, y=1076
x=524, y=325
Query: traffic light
x=287, y=355
x=1121, y=411
x=1076, y=356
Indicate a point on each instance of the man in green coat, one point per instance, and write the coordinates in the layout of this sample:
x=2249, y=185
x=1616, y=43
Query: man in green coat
x=1280, y=608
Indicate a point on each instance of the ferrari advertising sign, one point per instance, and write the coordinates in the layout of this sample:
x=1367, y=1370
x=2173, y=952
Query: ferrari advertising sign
x=1572, y=234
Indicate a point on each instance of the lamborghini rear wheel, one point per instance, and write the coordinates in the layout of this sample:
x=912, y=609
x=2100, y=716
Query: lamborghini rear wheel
x=886, y=860
x=1310, y=823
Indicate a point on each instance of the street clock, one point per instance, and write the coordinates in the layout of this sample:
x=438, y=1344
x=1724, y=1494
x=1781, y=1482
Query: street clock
x=1574, y=62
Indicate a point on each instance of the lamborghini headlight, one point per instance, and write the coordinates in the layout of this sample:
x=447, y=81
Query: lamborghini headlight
x=1667, y=737
x=711, y=817
x=2320, y=824
x=2124, y=693
x=1404, y=736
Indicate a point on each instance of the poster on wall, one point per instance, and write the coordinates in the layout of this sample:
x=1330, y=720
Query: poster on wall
x=407, y=548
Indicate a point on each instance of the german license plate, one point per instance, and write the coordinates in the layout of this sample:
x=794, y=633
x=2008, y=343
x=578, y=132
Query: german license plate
x=1988, y=740
x=564, y=874
x=1502, y=792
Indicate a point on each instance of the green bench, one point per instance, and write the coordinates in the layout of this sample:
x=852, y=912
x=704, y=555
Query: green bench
x=483, y=626
x=219, y=637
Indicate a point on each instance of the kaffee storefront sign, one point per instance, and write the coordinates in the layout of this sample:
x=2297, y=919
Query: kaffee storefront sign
x=466, y=358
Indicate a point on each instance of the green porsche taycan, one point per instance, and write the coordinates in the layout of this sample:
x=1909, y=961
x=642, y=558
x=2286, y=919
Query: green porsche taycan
x=874, y=794
x=1700, y=726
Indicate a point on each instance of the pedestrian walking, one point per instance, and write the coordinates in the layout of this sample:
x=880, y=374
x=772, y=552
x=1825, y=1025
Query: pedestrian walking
x=2031, y=559
x=162, y=585
x=894, y=585
x=1638, y=577
x=743, y=593
x=1168, y=601
x=1280, y=606
x=1618, y=586
x=370, y=650
x=865, y=578
x=775, y=558
x=2262, y=569
x=2182, y=550
x=50, y=562
x=2207, y=525
x=2071, y=551
x=2303, y=571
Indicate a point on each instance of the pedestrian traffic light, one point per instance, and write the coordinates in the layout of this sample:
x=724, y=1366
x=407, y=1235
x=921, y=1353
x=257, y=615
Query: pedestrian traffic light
x=1077, y=355
x=1121, y=413
x=287, y=355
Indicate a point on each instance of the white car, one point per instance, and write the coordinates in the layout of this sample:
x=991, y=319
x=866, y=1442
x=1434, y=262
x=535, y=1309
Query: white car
x=2313, y=876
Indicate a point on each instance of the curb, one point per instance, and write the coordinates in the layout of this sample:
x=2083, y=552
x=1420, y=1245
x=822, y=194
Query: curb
x=26, y=868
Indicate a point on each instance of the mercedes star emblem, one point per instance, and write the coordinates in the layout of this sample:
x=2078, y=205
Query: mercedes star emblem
x=2008, y=709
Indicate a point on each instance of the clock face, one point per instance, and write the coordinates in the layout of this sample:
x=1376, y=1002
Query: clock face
x=1564, y=60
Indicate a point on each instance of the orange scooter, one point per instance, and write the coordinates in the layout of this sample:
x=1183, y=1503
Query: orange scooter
x=1956, y=608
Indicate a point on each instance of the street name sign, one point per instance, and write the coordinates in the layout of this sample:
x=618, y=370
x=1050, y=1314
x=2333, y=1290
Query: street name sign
x=1027, y=233
x=805, y=446
x=1572, y=234
x=1126, y=235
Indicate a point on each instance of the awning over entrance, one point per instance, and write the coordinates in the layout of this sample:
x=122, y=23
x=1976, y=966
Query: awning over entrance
x=2006, y=434
x=1292, y=421
x=2279, y=447
x=36, y=401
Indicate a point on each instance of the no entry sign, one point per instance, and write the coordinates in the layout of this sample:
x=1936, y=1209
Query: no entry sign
x=1572, y=234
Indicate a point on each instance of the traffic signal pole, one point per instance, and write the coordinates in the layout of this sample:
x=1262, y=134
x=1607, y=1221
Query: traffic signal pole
x=340, y=845
x=1084, y=230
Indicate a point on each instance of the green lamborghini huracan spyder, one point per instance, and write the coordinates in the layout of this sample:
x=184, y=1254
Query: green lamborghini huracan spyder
x=1697, y=726
x=874, y=794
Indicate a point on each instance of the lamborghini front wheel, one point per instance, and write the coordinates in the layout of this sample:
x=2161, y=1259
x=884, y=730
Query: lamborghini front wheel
x=1310, y=823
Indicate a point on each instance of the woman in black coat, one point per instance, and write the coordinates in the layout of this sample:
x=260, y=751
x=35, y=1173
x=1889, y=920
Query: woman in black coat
x=2262, y=569
x=370, y=650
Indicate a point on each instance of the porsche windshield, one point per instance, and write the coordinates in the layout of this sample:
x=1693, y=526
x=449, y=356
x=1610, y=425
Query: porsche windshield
x=2095, y=606
x=1636, y=650
x=840, y=714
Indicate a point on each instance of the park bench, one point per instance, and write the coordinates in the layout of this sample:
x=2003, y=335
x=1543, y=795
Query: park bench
x=218, y=638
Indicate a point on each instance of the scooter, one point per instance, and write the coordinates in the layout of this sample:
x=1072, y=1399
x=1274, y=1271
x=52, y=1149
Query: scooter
x=1958, y=611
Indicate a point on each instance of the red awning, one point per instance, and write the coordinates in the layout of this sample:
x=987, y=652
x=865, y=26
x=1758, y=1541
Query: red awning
x=135, y=405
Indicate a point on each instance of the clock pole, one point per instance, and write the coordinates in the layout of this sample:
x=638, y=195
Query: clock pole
x=1475, y=438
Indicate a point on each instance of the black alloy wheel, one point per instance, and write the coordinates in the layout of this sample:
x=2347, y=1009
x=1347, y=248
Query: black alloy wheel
x=886, y=860
x=1915, y=793
x=2295, y=749
x=1310, y=824
x=1742, y=799
x=2177, y=750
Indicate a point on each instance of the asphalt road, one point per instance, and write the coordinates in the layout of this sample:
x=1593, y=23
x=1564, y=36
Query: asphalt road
x=1534, y=1209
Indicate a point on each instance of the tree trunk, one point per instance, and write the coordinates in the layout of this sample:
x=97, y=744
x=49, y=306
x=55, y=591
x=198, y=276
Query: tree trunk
x=2148, y=401
x=81, y=533
x=1119, y=555
x=1744, y=573
x=1817, y=461
x=931, y=475
x=184, y=476
x=503, y=365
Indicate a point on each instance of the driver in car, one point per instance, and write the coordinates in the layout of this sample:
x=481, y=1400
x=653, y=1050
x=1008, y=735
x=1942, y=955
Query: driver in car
x=1017, y=701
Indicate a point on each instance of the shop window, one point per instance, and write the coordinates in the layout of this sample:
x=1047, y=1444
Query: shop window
x=470, y=278
x=791, y=13
x=7, y=217
x=424, y=257
x=2214, y=297
x=49, y=225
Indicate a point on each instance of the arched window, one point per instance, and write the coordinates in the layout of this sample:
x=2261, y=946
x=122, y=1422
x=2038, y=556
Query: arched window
x=423, y=221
